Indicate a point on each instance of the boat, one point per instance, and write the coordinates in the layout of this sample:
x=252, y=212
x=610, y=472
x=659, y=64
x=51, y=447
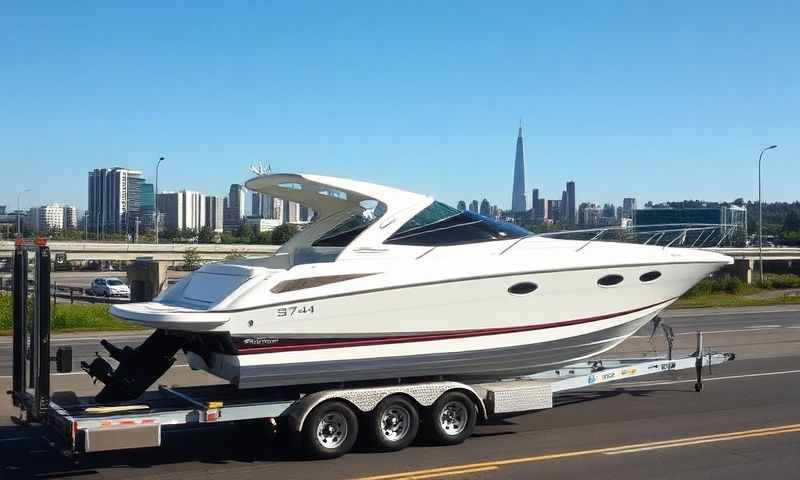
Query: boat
x=386, y=284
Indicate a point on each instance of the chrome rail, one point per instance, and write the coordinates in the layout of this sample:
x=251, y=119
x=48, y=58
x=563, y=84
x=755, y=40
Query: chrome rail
x=674, y=235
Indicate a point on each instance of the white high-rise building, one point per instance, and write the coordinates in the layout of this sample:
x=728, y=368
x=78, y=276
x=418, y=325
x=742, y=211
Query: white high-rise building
x=113, y=198
x=51, y=217
x=182, y=210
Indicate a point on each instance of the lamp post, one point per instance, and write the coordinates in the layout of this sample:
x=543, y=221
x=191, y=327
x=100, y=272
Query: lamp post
x=155, y=195
x=18, y=218
x=760, y=221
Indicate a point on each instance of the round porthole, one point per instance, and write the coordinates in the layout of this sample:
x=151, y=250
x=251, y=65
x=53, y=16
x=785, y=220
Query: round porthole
x=522, y=288
x=650, y=276
x=610, y=280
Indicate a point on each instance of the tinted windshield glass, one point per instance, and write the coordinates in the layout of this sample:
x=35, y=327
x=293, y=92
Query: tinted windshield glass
x=114, y=282
x=344, y=233
x=440, y=225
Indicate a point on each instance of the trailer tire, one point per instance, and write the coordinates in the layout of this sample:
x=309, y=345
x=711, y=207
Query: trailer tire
x=393, y=424
x=451, y=419
x=330, y=430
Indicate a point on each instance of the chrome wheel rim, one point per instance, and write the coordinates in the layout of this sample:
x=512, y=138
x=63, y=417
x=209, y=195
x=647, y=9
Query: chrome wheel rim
x=332, y=430
x=453, y=418
x=394, y=423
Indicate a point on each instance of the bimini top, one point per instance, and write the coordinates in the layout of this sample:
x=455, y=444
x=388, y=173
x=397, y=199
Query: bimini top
x=327, y=195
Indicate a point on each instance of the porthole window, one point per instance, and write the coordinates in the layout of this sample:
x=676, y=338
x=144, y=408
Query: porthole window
x=610, y=280
x=650, y=276
x=522, y=288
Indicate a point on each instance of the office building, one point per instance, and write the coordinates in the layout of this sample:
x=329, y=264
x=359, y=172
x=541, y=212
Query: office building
x=70, y=221
x=2, y=209
x=564, y=203
x=589, y=214
x=473, y=206
x=46, y=218
x=628, y=207
x=147, y=205
x=114, y=195
x=571, y=206
x=540, y=210
x=214, y=213
x=518, y=203
x=485, y=208
x=462, y=205
x=534, y=202
x=234, y=210
x=554, y=210
x=263, y=224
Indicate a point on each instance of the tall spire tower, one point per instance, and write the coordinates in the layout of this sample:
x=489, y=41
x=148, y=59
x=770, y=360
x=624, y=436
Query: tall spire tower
x=518, y=202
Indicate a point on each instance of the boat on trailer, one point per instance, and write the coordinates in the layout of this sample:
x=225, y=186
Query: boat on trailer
x=386, y=284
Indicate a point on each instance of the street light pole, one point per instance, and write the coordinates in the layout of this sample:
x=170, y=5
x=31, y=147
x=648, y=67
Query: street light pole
x=18, y=218
x=760, y=219
x=155, y=195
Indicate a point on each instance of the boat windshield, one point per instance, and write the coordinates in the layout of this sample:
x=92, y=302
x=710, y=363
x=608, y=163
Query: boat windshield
x=346, y=231
x=440, y=225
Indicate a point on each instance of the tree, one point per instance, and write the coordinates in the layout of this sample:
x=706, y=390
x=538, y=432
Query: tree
x=282, y=233
x=205, y=235
x=191, y=259
x=246, y=233
x=792, y=221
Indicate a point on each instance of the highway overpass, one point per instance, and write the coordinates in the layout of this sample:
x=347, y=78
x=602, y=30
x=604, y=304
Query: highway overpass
x=746, y=259
x=170, y=252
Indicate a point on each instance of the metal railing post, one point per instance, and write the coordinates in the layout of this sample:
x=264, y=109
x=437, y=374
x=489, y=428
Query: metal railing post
x=19, y=288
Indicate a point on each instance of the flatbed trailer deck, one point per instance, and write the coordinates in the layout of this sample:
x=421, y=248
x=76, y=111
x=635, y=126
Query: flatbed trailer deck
x=325, y=420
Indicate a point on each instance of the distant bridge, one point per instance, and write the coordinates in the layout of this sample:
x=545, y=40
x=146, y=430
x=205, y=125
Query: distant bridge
x=745, y=259
x=170, y=252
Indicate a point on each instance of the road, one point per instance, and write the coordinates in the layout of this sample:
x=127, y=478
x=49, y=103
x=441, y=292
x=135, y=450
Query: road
x=745, y=424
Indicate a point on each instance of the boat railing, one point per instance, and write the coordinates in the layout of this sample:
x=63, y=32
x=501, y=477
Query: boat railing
x=686, y=235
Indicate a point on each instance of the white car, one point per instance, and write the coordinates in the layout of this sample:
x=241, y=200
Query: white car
x=109, y=287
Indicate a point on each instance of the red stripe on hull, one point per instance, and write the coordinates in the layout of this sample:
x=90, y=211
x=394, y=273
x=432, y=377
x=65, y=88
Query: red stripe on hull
x=339, y=343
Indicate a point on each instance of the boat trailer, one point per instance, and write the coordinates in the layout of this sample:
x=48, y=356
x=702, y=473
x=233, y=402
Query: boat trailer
x=82, y=425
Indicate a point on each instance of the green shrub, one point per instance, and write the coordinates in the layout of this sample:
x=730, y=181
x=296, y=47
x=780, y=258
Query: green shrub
x=721, y=284
x=787, y=280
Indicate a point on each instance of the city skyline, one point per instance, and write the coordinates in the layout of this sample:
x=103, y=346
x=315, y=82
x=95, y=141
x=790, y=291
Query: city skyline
x=662, y=118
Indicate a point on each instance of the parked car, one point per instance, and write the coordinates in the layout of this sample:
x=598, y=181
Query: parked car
x=109, y=287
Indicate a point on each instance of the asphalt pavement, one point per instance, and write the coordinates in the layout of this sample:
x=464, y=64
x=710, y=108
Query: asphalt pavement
x=745, y=424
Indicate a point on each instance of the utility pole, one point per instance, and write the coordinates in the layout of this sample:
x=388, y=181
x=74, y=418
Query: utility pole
x=760, y=220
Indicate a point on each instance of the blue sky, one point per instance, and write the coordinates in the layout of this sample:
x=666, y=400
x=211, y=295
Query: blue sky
x=658, y=100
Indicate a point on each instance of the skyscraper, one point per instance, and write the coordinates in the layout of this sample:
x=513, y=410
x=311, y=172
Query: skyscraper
x=571, y=206
x=563, y=213
x=518, y=202
x=214, y=213
x=628, y=207
x=473, y=206
x=485, y=208
x=113, y=196
x=462, y=205
x=535, y=203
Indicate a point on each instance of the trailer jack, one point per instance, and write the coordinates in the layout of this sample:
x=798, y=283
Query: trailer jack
x=138, y=367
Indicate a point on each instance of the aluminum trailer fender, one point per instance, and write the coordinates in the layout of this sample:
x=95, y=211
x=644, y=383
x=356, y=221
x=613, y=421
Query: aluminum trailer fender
x=366, y=399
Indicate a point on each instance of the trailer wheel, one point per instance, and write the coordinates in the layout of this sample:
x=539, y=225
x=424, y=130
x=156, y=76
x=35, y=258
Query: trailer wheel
x=451, y=419
x=330, y=430
x=393, y=423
